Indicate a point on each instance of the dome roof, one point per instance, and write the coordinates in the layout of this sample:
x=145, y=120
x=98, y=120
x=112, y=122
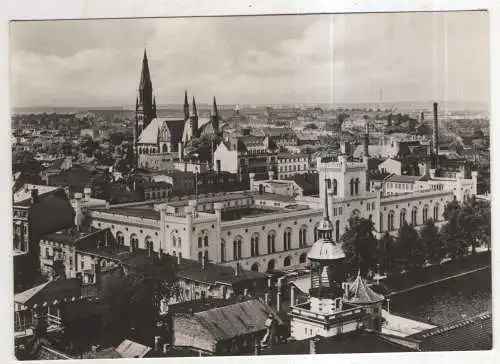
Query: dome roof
x=325, y=249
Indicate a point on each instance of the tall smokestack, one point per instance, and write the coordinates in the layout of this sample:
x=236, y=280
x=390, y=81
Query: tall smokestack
x=435, y=140
x=366, y=140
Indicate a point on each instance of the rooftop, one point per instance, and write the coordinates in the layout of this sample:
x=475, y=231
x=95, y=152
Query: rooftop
x=353, y=342
x=402, y=178
x=214, y=273
x=145, y=211
x=473, y=333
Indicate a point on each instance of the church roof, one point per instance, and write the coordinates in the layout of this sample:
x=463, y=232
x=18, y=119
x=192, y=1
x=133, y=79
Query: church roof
x=359, y=292
x=164, y=129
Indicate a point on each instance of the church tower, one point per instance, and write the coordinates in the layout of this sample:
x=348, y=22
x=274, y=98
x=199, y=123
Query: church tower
x=214, y=117
x=194, y=121
x=186, y=106
x=145, y=106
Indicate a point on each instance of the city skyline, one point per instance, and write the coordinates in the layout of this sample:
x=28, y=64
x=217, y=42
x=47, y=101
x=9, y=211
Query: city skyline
x=287, y=60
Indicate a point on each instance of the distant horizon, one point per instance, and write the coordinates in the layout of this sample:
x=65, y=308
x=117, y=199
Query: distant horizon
x=288, y=59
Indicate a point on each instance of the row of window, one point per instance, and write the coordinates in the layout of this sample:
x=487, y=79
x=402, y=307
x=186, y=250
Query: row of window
x=354, y=186
x=401, y=186
x=292, y=168
x=413, y=221
x=271, y=244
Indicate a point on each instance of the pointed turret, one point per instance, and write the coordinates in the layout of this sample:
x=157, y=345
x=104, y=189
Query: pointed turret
x=145, y=101
x=214, y=116
x=186, y=105
x=154, y=114
x=358, y=292
x=195, y=112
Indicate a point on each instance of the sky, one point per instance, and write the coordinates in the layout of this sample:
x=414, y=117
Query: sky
x=336, y=58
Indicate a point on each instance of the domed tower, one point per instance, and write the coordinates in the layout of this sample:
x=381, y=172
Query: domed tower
x=326, y=313
x=327, y=273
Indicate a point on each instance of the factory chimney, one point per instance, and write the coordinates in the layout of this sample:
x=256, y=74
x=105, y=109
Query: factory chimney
x=366, y=141
x=435, y=140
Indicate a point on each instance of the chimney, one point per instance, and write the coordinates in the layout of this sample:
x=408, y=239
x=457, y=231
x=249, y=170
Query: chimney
x=435, y=139
x=34, y=195
x=312, y=345
x=366, y=140
x=87, y=192
x=157, y=343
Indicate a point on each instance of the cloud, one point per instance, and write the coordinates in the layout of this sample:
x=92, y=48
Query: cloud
x=270, y=59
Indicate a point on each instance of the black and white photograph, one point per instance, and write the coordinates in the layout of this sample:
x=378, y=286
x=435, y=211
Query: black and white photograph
x=250, y=185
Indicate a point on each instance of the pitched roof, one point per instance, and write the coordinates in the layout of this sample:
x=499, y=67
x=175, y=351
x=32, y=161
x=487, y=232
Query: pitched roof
x=359, y=292
x=49, y=291
x=402, y=178
x=353, y=342
x=165, y=128
x=131, y=349
x=474, y=333
x=23, y=194
x=235, y=320
x=214, y=273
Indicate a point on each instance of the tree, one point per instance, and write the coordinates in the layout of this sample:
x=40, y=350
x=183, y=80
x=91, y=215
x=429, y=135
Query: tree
x=410, y=251
x=431, y=241
x=386, y=254
x=29, y=167
x=311, y=126
x=360, y=245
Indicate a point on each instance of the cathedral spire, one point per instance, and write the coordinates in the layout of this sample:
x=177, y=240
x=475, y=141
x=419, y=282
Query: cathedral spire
x=214, y=111
x=186, y=105
x=145, y=74
x=195, y=111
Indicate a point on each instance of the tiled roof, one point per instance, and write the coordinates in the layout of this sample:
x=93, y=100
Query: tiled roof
x=49, y=291
x=353, y=342
x=47, y=353
x=473, y=333
x=131, y=349
x=235, y=320
x=402, y=178
x=213, y=273
x=169, y=127
x=359, y=292
x=145, y=213
x=23, y=194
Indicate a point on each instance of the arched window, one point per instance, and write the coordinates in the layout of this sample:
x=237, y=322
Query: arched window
x=271, y=242
x=414, y=212
x=222, y=251
x=205, y=256
x=337, y=230
x=316, y=232
x=120, y=239
x=237, y=248
x=255, y=267
x=402, y=217
x=148, y=243
x=200, y=256
x=287, y=262
x=302, y=258
x=335, y=187
x=205, y=240
x=254, y=245
x=287, y=239
x=271, y=265
x=356, y=186
x=302, y=237
x=424, y=214
x=328, y=183
x=352, y=186
x=200, y=242
x=174, y=241
x=390, y=221
x=165, y=149
x=436, y=212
